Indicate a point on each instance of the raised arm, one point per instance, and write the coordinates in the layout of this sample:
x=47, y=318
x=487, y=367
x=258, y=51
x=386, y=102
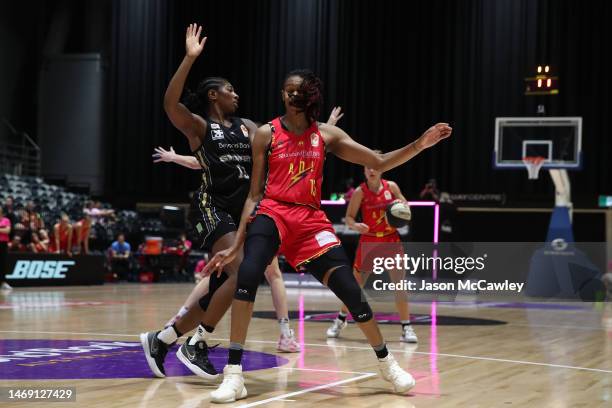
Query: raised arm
x=191, y=125
x=169, y=156
x=341, y=144
x=259, y=146
x=352, y=210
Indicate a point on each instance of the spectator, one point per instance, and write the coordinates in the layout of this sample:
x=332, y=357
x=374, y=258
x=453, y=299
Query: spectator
x=83, y=231
x=33, y=218
x=5, y=231
x=37, y=246
x=184, y=245
x=430, y=191
x=120, y=254
x=97, y=213
x=20, y=227
x=15, y=245
x=62, y=236
x=43, y=235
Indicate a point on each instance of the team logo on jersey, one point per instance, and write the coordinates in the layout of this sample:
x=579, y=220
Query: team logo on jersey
x=245, y=131
x=314, y=140
x=301, y=143
x=217, y=134
x=215, y=126
x=387, y=195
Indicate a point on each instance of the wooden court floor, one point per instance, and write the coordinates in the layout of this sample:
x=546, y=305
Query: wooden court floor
x=486, y=355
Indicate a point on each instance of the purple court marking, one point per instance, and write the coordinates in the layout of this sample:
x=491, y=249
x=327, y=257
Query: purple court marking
x=80, y=359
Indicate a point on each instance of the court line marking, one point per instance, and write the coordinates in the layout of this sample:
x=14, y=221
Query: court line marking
x=501, y=360
x=322, y=371
x=306, y=390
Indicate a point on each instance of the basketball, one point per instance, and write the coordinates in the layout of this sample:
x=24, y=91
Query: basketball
x=398, y=214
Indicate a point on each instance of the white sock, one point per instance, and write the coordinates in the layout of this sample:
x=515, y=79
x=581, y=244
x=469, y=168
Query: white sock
x=201, y=334
x=284, y=326
x=168, y=335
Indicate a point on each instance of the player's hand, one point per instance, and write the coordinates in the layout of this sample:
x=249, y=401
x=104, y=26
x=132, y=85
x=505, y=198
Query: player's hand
x=433, y=135
x=193, y=44
x=360, y=227
x=162, y=155
x=218, y=262
x=335, y=115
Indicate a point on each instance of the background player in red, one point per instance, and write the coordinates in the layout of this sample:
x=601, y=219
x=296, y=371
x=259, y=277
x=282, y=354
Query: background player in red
x=82, y=229
x=62, y=236
x=371, y=198
x=288, y=158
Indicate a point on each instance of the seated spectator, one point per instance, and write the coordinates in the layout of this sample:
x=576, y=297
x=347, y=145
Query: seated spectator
x=83, y=231
x=43, y=235
x=33, y=218
x=37, y=246
x=62, y=236
x=97, y=213
x=184, y=245
x=5, y=232
x=120, y=254
x=15, y=245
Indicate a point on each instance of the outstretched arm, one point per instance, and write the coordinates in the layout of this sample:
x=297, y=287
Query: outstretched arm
x=169, y=156
x=259, y=147
x=341, y=144
x=191, y=125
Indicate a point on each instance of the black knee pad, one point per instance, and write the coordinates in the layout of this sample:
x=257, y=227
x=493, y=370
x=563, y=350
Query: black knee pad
x=214, y=284
x=260, y=247
x=342, y=282
x=333, y=258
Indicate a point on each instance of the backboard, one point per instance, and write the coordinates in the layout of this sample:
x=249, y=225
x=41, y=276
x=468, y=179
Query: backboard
x=557, y=139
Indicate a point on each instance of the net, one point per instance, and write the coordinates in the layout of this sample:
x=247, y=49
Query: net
x=533, y=164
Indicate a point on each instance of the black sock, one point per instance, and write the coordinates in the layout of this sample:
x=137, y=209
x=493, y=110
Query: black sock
x=405, y=324
x=381, y=351
x=235, y=354
x=208, y=328
x=178, y=333
x=342, y=317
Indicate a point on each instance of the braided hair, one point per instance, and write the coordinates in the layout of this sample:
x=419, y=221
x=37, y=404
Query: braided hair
x=198, y=102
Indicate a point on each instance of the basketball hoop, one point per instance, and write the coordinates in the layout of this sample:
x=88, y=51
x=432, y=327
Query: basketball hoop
x=533, y=164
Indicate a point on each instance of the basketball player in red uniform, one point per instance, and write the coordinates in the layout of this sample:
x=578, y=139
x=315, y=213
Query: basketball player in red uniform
x=62, y=236
x=285, y=193
x=82, y=229
x=371, y=198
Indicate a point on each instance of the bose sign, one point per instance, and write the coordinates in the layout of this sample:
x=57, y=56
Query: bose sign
x=40, y=269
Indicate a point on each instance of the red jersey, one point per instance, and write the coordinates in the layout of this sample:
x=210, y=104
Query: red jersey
x=295, y=165
x=373, y=208
x=84, y=230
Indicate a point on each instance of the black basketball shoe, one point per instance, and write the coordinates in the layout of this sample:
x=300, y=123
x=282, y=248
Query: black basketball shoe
x=196, y=359
x=155, y=351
